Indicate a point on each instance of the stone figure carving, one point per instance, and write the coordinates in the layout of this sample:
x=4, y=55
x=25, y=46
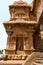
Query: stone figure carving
x=19, y=44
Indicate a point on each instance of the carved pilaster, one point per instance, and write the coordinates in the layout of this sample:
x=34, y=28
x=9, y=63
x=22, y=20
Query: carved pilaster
x=11, y=45
x=31, y=41
x=28, y=42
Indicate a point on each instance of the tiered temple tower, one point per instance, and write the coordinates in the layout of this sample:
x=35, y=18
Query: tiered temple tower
x=25, y=34
x=20, y=29
x=23, y=29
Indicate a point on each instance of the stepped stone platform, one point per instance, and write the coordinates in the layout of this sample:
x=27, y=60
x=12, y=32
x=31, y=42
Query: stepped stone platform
x=35, y=58
x=38, y=61
x=15, y=60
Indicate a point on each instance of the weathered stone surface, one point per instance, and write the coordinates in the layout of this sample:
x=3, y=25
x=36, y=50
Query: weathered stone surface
x=24, y=42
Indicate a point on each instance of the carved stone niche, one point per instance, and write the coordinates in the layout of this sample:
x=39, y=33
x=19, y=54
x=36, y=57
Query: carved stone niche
x=19, y=44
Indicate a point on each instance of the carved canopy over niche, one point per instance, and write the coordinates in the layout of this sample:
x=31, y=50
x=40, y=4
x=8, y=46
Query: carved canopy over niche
x=19, y=12
x=19, y=9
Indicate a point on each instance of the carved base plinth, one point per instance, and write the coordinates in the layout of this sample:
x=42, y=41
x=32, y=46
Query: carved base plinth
x=13, y=60
x=20, y=52
x=13, y=57
x=9, y=51
x=29, y=51
x=19, y=57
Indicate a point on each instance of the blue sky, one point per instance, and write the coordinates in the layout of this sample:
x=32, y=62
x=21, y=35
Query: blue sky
x=5, y=16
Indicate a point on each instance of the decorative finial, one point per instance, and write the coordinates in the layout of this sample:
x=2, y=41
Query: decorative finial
x=20, y=0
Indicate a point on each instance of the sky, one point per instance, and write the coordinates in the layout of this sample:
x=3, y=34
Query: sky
x=5, y=16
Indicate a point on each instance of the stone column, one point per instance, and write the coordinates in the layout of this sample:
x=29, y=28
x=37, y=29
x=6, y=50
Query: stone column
x=8, y=45
x=11, y=45
x=8, y=42
x=14, y=43
x=31, y=41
